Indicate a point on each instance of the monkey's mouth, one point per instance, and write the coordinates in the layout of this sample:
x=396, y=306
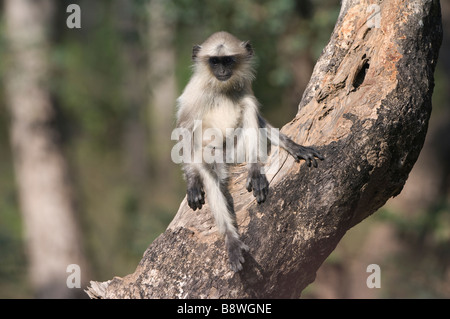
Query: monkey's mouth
x=224, y=77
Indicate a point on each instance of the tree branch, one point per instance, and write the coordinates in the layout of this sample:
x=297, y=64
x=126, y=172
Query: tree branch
x=366, y=108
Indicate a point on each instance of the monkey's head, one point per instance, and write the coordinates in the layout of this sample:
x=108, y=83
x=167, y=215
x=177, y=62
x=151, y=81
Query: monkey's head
x=225, y=60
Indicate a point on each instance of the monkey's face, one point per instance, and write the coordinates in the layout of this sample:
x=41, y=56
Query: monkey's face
x=224, y=59
x=222, y=66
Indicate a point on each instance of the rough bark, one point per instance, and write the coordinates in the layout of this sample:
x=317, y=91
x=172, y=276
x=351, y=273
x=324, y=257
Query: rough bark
x=46, y=197
x=366, y=107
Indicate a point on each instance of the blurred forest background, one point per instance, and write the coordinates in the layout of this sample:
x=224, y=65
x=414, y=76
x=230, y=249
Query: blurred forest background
x=109, y=91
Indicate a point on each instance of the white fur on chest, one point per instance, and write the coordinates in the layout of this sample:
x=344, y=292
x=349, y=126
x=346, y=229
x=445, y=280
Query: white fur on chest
x=223, y=114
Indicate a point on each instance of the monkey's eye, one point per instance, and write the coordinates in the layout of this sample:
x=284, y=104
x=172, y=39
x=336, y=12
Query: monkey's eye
x=228, y=60
x=214, y=60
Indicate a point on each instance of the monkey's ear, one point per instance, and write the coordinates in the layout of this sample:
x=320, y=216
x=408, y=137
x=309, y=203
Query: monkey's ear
x=195, y=50
x=248, y=46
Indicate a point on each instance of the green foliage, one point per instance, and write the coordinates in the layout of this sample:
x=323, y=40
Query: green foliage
x=89, y=83
x=13, y=279
x=421, y=266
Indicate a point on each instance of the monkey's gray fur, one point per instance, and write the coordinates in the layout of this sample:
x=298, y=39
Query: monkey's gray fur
x=220, y=95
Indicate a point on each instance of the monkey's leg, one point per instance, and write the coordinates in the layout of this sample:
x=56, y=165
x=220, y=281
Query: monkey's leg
x=257, y=182
x=221, y=204
x=234, y=249
x=234, y=245
x=309, y=154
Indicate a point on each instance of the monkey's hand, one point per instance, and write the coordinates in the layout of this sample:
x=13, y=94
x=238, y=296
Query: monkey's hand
x=195, y=196
x=259, y=184
x=309, y=154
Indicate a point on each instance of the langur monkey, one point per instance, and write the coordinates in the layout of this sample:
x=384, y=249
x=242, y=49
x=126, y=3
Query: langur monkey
x=219, y=95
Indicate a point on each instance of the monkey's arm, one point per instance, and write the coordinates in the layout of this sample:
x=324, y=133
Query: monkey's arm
x=297, y=151
x=195, y=192
x=256, y=181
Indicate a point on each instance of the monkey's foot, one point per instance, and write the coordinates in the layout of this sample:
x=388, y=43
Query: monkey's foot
x=259, y=184
x=309, y=154
x=195, y=196
x=234, y=249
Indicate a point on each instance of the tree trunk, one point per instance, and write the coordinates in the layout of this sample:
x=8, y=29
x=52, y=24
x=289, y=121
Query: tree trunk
x=366, y=107
x=162, y=87
x=46, y=197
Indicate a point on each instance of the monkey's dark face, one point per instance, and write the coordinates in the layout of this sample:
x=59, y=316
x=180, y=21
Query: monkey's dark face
x=222, y=66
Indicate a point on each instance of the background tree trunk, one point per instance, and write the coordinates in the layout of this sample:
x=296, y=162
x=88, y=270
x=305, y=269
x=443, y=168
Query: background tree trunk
x=162, y=88
x=46, y=196
x=366, y=107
